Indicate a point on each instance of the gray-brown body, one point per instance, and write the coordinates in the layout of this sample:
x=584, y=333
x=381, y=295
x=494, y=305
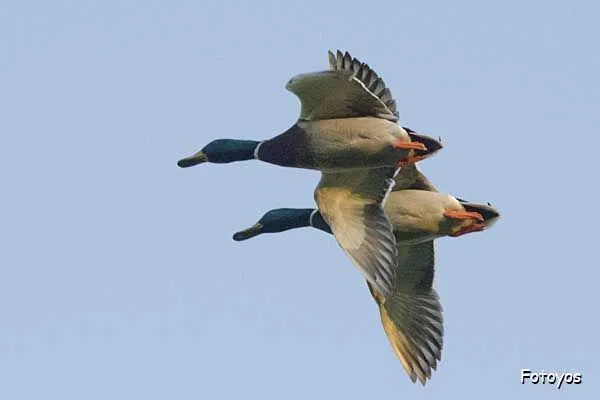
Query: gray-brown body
x=418, y=215
x=335, y=145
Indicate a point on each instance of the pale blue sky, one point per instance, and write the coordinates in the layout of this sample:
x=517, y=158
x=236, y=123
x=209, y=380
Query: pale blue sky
x=118, y=275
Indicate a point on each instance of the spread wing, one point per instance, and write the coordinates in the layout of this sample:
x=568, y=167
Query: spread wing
x=349, y=89
x=352, y=204
x=412, y=315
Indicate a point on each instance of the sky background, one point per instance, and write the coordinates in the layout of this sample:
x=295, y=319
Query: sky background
x=118, y=275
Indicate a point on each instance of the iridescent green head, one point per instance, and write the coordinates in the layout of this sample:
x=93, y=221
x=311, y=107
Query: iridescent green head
x=283, y=219
x=222, y=151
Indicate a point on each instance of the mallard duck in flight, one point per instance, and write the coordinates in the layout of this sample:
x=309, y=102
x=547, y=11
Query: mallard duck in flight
x=412, y=315
x=347, y=129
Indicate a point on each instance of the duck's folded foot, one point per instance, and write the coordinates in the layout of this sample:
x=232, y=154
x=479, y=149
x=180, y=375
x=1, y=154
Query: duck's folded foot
x=476, y=227
x=410, y=160
x=402, y=145
x=454, y=214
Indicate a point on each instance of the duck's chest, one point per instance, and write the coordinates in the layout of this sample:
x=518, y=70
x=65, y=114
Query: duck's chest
x=292, y=148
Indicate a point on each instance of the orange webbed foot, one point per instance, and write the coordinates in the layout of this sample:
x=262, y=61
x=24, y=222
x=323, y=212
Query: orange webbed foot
x=410, y=160
x=402, y=145
x=476, y=227
x=454, y=214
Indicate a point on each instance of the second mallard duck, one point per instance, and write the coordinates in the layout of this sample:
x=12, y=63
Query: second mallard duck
x=412, y=315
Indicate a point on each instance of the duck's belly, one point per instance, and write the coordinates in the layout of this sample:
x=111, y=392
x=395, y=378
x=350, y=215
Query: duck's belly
x=348, y=143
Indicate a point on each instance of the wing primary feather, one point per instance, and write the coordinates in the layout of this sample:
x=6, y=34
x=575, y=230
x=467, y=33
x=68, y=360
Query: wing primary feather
x=347, y=61
x=368, y=77
x=355, y=66
x=364, y=72
x=379, y=88
x=332, y=61
x=340, y=60
x=386, y=96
